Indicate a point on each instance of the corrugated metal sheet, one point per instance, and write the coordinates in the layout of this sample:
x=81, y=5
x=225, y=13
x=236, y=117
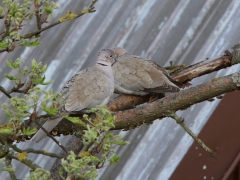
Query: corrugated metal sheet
x=185, y=31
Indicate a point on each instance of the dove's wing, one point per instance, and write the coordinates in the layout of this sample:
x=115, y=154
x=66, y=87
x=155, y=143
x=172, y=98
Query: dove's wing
x=136, y=74
x=89, y=89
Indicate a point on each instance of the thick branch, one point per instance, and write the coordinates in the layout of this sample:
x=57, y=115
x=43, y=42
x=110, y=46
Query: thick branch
x=202, y=68
x=177, y=101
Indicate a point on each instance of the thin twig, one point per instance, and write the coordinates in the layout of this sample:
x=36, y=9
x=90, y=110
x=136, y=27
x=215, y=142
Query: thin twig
x=28, y=162
x=30, y=150
x=5, y=92
x=49, y=135
x=90, y=9
x=180, y=121
x=15, y=89
x=8, y=161
x=38, y=19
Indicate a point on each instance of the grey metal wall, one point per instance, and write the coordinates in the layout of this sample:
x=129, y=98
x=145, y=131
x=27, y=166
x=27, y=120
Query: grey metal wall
x=182, y=31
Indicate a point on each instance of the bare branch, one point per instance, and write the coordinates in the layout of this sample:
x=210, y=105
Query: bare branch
x=37, y=15
x=9, y=165
x=30, y=150
x=28, y=162
x=5, y=92
x=180, y=121
x=161, y=108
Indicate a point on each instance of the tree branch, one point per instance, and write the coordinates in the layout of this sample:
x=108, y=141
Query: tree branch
x=25, y=161
x=180, y=121
x=90, y=9
x=9, y=165
x=176, y=101
x=30, y=150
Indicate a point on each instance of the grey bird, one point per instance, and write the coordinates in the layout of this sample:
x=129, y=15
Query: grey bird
x=88, y=88
x=137, y=76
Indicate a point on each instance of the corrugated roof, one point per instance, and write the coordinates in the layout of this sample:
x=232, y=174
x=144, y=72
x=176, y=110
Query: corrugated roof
x=185, y=31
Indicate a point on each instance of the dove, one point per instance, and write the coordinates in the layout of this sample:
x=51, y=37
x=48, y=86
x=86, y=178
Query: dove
x=88, y=88
x=137, y=76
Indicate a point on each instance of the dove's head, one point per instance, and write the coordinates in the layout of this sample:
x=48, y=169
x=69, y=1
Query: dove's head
x=106, y=57
x=118, y=51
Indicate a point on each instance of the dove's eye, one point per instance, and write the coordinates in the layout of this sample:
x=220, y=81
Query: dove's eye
x=110, y=55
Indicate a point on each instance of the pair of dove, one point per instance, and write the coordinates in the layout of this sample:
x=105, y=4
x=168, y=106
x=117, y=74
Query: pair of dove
x=115, y=71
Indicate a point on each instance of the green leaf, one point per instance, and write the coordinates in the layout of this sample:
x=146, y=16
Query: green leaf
x=120, y=142
x=11, y=64
x=48, y=10
x=46, y=83
x=44, y=68
x=50, y=110
x=27, y=131
x=33, y=43
x=75, y=120
x=6, y=131
x=3, y=45
x=34, y=63
x=11, y=77
x=7, y=113
x=114, y=159
x=95, y=159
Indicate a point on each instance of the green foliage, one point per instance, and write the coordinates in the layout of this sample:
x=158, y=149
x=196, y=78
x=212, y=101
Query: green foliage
x=16, y=14
x=80, y=167
x=98, y=140
x=39, y=174
x=28, y=131
x=35, y=73
x=75, y=120
x=34, y=97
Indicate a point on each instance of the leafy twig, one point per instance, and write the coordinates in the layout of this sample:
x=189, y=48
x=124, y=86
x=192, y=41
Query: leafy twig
x=90, y=9
x=49, y=135
x=180, y=121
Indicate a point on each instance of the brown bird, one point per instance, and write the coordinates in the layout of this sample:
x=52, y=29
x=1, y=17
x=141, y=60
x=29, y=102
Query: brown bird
x=138, y=76
x=88, y=88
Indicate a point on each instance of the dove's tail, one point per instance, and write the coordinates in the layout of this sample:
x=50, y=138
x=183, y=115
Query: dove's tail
x=48, y=125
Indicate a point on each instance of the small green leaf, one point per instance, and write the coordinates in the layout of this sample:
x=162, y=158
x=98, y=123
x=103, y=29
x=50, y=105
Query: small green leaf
x=33, y=43
x=114, y=159
x=3, y=45
x=34, y=63
x=6, y=131
x=11, y=64
x=75, y=120
x=120, y=142
x=11, y=77
x=44, y=68
x=46, y=83
x=95, y=159
x=48, y=10
x=50, y=110
x=7, y=113
x=27, y=131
